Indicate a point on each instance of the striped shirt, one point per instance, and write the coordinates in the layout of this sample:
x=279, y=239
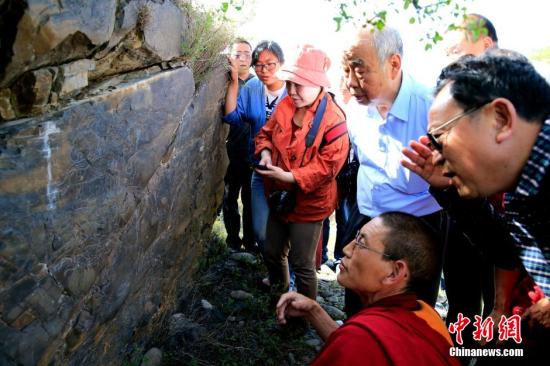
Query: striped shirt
x=527, y=210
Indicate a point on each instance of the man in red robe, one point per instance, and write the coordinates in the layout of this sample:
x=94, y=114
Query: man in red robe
x=391, y=256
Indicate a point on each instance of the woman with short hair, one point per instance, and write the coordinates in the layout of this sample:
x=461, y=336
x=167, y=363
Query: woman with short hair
x=300, y=158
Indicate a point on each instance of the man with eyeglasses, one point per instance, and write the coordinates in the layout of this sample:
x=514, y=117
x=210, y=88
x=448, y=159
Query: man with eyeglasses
x=490, y=132
x=488, y=280
x=388, y=109
x=390, y=259
x=238, y=174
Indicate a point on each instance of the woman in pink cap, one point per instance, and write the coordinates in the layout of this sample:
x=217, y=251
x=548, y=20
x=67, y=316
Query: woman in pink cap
x=299, y=160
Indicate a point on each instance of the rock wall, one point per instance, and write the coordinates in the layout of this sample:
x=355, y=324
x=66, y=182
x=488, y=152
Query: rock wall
x=52, y=49
x=109, y=178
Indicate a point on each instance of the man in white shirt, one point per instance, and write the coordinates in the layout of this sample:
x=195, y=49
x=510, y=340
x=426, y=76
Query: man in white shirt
x=387, y=111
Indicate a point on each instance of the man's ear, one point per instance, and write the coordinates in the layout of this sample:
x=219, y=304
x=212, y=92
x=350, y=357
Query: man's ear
x=395, y=65
x=505, y=118
x=488, y=42
x=399, y=273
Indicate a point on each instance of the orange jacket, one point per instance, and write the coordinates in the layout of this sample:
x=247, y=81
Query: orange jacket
x=315, y=188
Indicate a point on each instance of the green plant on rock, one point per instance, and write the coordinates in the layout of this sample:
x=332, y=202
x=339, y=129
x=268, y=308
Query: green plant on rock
x=208, y=35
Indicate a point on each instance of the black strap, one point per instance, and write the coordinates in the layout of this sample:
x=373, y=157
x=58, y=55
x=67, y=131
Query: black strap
x=316, y=122
x=271, y=105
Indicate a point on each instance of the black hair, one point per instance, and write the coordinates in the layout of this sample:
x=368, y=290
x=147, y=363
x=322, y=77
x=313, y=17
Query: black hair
x=409, y=238
x=487, y=24
x=242, y=40
x=270, y=46
x=498, y=73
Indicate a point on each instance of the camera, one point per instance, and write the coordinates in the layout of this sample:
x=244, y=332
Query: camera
x=347, y=179
x=259, y=167
x=282, y=202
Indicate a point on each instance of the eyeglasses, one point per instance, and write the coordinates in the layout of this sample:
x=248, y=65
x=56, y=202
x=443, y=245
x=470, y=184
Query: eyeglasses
x=243, y=55
x=358, y=241
x=432, y=135
x=270, y=66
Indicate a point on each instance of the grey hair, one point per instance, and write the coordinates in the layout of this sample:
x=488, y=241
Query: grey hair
x=387, y=42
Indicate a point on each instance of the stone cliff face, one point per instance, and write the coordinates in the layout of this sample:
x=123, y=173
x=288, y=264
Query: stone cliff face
x=109, y=178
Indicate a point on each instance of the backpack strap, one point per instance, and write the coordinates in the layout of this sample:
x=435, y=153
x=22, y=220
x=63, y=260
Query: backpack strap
x=335, y=132
x=316, y=122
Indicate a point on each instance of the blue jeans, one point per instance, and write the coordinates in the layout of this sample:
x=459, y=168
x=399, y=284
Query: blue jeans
x=260, y=214
x=260, y=209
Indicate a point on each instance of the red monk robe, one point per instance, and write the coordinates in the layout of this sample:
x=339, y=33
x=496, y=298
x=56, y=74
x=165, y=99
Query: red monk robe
x=392, y=331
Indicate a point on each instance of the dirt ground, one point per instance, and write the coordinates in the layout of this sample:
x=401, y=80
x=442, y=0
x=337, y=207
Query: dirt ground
x=229, y=319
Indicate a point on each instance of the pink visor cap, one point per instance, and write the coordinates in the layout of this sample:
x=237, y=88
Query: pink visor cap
x=309, y=68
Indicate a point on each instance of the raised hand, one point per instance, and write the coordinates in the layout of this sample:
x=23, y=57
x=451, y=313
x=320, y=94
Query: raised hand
x=234, y=64
x=421, y=162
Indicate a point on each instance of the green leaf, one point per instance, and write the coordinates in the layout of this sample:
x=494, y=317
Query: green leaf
x=338, y=21
x=412, y=20
x=343, y=12
x=475, y=34
x=225, y=6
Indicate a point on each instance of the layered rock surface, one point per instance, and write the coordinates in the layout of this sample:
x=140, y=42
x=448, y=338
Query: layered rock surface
x=108, y=185
x=51, y=49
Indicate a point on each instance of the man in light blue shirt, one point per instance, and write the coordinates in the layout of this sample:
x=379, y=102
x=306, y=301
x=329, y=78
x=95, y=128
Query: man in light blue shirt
x=383, y=184
x=387, y=111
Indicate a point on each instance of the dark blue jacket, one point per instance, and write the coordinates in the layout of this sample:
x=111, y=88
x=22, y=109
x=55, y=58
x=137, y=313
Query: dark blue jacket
x=250, y=109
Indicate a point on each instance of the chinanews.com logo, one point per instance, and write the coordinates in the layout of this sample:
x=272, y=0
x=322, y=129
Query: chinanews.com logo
x=509, y=328
x=485, y=352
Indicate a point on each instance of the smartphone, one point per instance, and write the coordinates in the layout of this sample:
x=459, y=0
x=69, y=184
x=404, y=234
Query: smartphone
x=260, y=166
